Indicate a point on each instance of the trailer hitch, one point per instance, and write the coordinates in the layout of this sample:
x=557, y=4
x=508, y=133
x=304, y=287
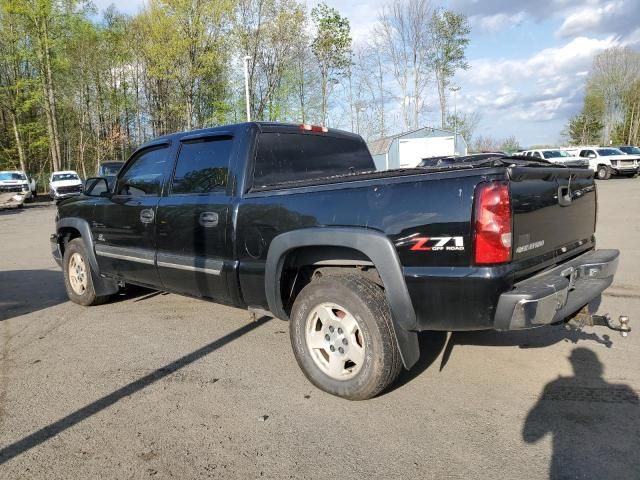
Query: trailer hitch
x=586, y=319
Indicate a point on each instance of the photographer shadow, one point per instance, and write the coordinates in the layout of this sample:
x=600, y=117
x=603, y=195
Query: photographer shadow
x=593, y=423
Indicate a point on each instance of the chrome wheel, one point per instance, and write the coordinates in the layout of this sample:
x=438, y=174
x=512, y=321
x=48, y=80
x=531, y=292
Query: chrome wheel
x=335, y=341
x=77, y=272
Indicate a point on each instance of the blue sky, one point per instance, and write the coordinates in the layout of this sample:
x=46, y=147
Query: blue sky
x=529, y=58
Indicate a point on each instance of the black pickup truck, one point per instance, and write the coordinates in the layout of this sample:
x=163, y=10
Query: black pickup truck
x=294, y=221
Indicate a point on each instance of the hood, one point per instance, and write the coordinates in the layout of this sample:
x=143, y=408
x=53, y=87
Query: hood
x=66, y=183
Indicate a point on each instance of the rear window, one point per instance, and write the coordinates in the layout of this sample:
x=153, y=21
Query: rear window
x=291, y=157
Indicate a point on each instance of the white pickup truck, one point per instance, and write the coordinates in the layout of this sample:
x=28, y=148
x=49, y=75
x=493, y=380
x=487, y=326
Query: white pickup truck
x=64, y=185
x=14, y=188
x=557, y=155
x=607, y=161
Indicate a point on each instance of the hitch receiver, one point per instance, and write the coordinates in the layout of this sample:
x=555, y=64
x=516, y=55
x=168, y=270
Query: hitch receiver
x=586, y=319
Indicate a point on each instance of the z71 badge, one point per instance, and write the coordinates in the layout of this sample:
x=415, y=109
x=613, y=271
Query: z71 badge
x=438, y=244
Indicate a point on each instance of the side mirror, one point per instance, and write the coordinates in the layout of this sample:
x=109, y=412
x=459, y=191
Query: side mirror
x=591, y=155
x=96, y=187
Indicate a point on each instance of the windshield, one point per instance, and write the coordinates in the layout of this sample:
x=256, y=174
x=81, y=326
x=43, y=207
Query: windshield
x=631, y=150
x=11, y=176
x=555, y=154
x=110, y=170
x=608, y=152
x=61, y=177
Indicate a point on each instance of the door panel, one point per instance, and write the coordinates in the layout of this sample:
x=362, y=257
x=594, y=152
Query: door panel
x=125, y=244
x=192, y=249
x=191, y=256
x=124, y=228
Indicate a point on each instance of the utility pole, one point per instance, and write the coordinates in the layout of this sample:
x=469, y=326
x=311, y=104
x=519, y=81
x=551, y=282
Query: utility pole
x=455, y=90
x=246, y=86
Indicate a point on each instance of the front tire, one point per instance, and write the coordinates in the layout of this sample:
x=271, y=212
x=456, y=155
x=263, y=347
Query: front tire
x=343, y=338
x=603, y=172
x=77, y=275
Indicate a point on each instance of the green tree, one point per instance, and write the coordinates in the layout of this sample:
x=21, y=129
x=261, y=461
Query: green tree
x=272, y=33
x=449, y=40
x=586, y=127
x=464, y=123
x=510, y=145
x=331, y=47
x=44, y=22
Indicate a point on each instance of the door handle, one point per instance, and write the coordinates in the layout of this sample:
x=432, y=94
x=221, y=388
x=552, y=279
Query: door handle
x=147, y=216
x=209, y=219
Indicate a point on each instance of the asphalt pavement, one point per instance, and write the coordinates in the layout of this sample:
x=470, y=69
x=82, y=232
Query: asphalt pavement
x=155, y=385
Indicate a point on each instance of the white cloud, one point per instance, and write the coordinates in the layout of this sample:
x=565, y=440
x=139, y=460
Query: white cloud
x=545, y=87
x=593, y=17
x=497, y=22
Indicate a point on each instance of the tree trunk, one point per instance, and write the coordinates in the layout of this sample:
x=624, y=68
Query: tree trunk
x=382, y=109
x=49, y=92
x=18, y=137
x=325, y=80
x=443, y=100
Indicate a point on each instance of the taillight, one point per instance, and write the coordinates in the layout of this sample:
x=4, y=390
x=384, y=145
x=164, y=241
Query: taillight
x=493, y=235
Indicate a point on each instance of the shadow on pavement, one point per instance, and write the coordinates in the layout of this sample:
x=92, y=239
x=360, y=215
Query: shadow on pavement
x=431, y=345
x=26, y=291
x=53, y=429
x=5, y=211
x=593, y=423
x=535, y=338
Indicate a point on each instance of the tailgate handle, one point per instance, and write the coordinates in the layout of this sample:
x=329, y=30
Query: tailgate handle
x=564, y=196
x=209, y=219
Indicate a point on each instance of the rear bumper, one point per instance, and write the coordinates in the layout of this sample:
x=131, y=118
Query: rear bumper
x=555, y=295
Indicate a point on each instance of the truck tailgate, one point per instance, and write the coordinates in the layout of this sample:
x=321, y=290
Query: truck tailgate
x=554, y=213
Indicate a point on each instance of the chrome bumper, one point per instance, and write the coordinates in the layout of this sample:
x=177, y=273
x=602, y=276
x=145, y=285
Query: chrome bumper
x=555, y=295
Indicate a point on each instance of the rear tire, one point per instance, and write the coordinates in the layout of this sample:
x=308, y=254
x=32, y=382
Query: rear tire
x=343, y=337
x=632, y=175
x=77, y=275
x=603, y=172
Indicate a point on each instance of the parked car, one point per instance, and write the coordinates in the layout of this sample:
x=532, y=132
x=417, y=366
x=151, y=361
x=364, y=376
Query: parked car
x=608, y=161
x=294, y=222
x=14, y=188
x=557, y=155
x=629, y=149
x=64, y=184
x=109, y=170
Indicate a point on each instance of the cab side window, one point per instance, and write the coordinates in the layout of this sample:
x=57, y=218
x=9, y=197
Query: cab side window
x=144, y=175
x=537, y=155
x=202, y=167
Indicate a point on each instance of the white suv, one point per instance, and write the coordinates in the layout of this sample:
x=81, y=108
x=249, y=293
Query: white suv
x=64, y=184
x=556, y=155
x=607, y=161
x=14, y=188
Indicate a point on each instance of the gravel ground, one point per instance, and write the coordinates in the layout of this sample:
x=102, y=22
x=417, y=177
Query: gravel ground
x=162, y=386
